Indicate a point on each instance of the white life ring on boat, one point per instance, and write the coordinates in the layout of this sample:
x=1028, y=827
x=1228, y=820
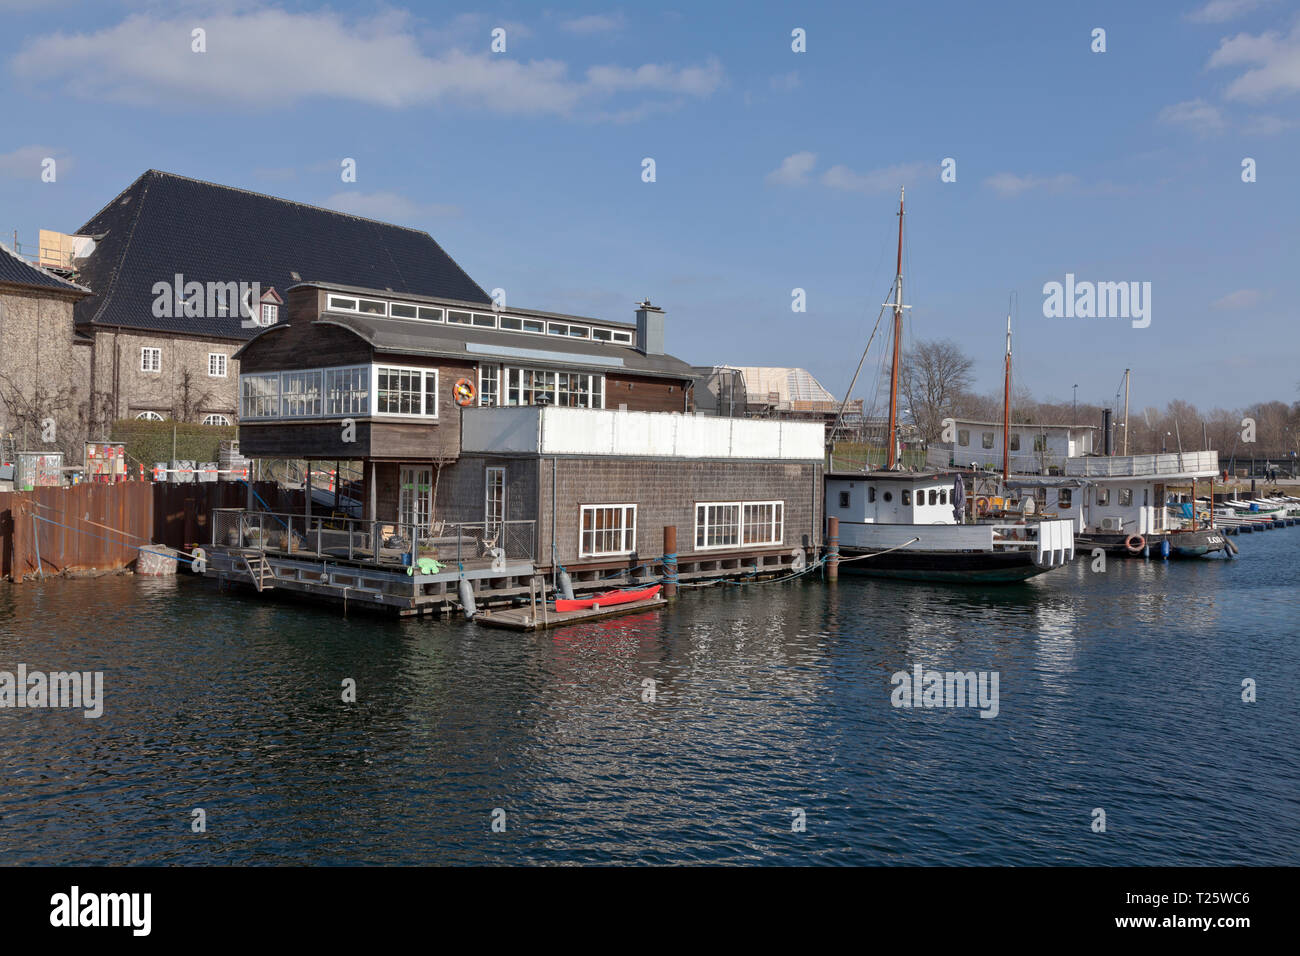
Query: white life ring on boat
x=1135, y=543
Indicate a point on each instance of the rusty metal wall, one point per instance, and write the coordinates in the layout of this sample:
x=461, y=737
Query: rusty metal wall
x=100, y=527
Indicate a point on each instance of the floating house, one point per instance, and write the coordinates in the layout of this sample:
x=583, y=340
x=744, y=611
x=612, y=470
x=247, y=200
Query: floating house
x=502, y=444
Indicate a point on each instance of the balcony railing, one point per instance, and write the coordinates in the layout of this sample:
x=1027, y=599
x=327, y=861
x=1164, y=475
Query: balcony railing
x=378, y=543
x=1121, y=466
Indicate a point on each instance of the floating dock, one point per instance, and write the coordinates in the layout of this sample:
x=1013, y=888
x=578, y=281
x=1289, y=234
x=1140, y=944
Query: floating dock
x=536, y=619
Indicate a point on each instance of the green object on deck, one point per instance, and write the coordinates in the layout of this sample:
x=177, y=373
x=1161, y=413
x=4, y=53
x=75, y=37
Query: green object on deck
x=427, y=566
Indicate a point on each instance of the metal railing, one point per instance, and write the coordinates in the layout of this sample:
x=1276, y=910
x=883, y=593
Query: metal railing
x=379, y=542
x=1165, y=463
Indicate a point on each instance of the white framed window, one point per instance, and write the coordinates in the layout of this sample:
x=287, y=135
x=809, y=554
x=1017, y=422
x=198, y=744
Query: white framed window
x=489, y=380
x=216, y=420
x=259, y=395
x=404, y=391
x=150, y=359
x=300, y=394
x=607, y=530
x=216, y=365
x=485, y=320
x=717, y=525
x=347, y=390
x=342, y=303
x=624, y=338
x=727, y=524
x=494, y=495
x=372, y=306
x=270, y=313
x=149, y=417
x=527, y=386
x=415, y=499
x=459, y=318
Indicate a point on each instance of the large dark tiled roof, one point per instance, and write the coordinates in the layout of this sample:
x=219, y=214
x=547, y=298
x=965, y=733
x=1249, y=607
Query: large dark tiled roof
x=17, y=271
x=164, y=224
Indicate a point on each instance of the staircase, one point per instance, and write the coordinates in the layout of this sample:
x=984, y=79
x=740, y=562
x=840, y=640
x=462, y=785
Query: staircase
x=259, y=570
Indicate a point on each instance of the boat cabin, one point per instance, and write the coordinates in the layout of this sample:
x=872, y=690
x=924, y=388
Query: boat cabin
x=892, y=497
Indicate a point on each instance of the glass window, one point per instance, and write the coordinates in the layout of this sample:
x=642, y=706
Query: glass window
x=259, y=395
x=485, y=320
x=1064, y=498
x=1015, y=441
x=488, y=383
x=494, y=507
x=511, y=324
x=150, y=360
x=415, y=499
x=717, y=526
x=624, y=337
x=763, y=522
x=1125, y=497
x=963, y=437
x=216, y=420
x=986, y=439
x=607, y=530
x=399, y=311
x=1103, y=496
x=934, y=496
x=430, y=315
x=372, y=306
x=889, y=496
x=347, y=390
x=270, y=313
x=907, y=496
x=844, y=499
x=1040, y=443
x=149, y=417
x=342, y=303
x=602, y=335
x=871, y=493
x=400, y=391
x=459, y=318
x=943, y=496
x=300, y=394
x=557, y=328
x=579, y=332
x=216, y=365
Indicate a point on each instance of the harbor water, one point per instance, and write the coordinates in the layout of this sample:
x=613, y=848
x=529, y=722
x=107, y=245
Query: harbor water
x=741, y=725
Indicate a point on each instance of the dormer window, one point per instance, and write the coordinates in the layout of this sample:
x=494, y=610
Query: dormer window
x=270, y=313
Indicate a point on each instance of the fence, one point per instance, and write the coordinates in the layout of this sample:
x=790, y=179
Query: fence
x=102, y=527
x=372, y=542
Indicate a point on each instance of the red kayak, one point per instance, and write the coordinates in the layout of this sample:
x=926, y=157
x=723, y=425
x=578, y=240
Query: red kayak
x=608, y=599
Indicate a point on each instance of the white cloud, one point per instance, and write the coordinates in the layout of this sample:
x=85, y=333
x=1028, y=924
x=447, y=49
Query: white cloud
x=595, y=23
x=25, y=161
x=148, y=62
x=785, y=82
x=1011, y=184
x=1196, y=115
x=1274, y=62
x=388, y=207
x=1241, y=299
x=877, y=180
x=794, y=170
x=1221, y=11
x=1264, y=125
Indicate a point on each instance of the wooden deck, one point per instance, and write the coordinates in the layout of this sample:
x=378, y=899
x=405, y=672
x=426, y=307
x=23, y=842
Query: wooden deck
x=532, y=619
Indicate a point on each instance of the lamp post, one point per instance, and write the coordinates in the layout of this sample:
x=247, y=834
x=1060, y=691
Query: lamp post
x=1074, y=420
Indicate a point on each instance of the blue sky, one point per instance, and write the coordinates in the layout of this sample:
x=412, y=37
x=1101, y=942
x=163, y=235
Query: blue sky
x=775, y=169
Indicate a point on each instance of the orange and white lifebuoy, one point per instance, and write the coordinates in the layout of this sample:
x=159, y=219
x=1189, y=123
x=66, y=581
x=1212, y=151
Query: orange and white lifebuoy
x=464, y=392
x=1135, y=543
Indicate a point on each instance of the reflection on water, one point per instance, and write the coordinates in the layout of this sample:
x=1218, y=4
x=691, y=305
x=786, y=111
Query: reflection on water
x=1118, y=690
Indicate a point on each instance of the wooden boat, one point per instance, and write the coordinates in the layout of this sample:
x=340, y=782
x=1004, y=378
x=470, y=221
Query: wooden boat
x=608, y=599
x=911, y=526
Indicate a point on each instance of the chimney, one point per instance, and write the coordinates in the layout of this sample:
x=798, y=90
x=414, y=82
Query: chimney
x=649, y=328
x=1105, y=430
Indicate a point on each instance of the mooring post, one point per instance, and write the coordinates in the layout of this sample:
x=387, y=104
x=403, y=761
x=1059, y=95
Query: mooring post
x=670, y=562
x=832, y=548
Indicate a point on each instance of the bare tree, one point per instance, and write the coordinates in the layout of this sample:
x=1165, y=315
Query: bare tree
x=43, y=417
x=934, y=376
x=190, y=398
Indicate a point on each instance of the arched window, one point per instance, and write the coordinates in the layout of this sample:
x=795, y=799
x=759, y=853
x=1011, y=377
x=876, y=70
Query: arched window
x=149, y=417
x=216, y=420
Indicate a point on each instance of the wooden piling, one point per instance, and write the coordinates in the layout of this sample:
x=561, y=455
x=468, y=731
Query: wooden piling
x=670, y=562
x=832, y=548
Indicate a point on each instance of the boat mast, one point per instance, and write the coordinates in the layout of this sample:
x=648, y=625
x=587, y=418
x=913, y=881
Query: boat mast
x=1126, y=375
x=892, y=458
x=1006, y=412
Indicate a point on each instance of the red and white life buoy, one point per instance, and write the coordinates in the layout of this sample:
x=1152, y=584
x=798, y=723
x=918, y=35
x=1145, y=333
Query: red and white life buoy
x=1135, y=543
x=464, y=392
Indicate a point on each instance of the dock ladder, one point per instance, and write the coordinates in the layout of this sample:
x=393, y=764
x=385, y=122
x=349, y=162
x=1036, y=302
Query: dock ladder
x=259, y=570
